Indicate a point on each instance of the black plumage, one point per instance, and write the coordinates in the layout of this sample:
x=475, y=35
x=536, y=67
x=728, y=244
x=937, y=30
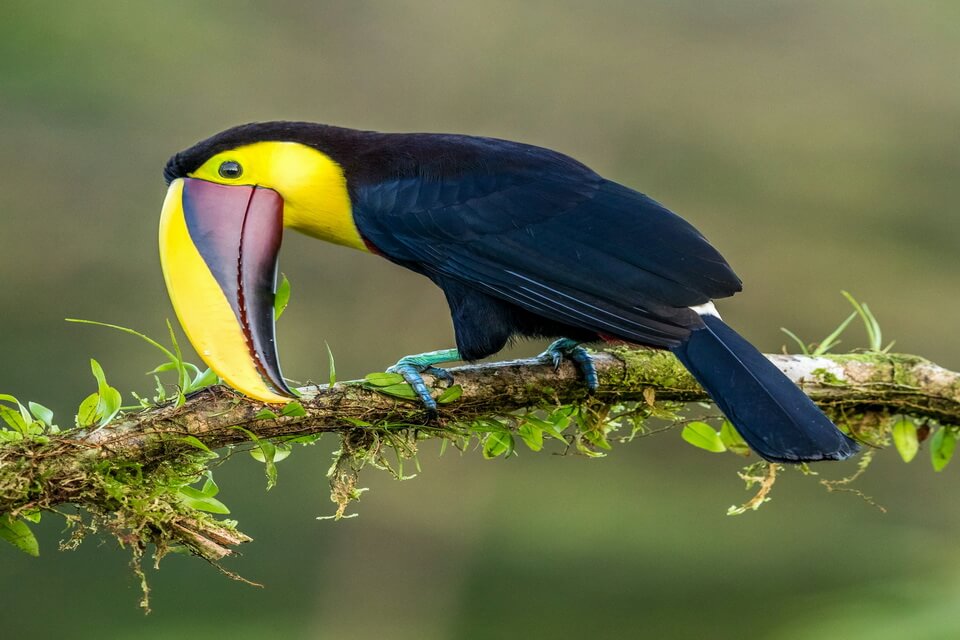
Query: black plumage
x=528, y=241
x=553, y=245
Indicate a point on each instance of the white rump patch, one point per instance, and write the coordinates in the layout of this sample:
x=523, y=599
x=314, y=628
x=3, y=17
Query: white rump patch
x=706, y=309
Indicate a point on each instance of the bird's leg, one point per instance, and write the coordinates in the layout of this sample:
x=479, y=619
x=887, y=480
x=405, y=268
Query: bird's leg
x=412, y=369
x=580, y=357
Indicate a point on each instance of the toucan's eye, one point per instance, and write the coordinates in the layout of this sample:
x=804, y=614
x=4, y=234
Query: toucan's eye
x=230, y=170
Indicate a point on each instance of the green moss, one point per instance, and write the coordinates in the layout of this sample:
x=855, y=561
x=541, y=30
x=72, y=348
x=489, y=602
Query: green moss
x=644, y=367
x=904, y=368
x=889, y=368
x=824, y=376
x=138, y=503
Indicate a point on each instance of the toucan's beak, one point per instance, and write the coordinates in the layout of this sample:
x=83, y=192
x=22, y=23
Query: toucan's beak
x=218, y=250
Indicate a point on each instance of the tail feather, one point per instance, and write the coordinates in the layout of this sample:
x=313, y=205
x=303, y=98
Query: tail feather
x=772, y=414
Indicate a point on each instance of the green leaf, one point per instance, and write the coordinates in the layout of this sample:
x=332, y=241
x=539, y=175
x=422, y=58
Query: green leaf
x=266, y=452
x=161, y=392
x=874, y=335
x=584, y=448
x=486, y=425
x=547, y=427
x=279, y=451
x=403, y=390
x=265, y=414
x=732, y=439
x=905, y=439
x=17, y=533
x=203, y=380
x=99, y=375
x=800, y=343
x=210, y=487
x=6, y=397
x=13, y=418
x=942, y=447
x=293, y=409
x=41, y=413
x=383, y=379
x=310, y=438
x=32, y=515
x=87, y=414
x=531, y=435
x=19, y=419
x=832, y=340
x=203, y=499
x=282, y=297
x=195, y=442
x=560, y=417
x=702, y=435
x=332, y=365
x=109, y=401
x=450, y=394
x=195, y=499
x=263, y=451
x=161, y=368
x=498, y=443
x=596, y=437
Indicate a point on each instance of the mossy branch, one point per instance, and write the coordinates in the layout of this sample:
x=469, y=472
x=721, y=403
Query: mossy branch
x=851, y=383
x=121, y=473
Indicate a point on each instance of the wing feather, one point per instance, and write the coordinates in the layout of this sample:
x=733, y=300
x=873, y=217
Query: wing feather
x=555, y=239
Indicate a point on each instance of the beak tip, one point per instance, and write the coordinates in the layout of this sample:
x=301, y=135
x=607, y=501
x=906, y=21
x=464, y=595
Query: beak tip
x=266, y=394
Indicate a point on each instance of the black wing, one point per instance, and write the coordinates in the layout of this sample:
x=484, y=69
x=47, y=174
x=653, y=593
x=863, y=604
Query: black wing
x=551, y=237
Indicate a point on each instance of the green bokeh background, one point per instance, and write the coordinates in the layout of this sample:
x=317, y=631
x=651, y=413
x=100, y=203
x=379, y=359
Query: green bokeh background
x=815, y=143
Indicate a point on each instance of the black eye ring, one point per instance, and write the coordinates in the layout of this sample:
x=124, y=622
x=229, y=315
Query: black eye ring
x=230, y=169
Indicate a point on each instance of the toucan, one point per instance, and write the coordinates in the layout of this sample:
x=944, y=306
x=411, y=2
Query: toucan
x=523, y=241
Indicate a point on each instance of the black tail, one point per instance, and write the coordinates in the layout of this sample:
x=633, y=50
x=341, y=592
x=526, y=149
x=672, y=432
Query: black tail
x=776, y=419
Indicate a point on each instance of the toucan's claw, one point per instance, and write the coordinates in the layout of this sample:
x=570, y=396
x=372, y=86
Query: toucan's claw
x=440, y=373
x=580, y=357
x=413, y=375
x=412, y=369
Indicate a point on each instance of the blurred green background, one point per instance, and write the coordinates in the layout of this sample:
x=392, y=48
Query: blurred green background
x=815, y=143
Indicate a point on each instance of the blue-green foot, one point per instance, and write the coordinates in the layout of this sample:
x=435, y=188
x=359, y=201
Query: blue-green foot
x=412, y=369
x=580, y=357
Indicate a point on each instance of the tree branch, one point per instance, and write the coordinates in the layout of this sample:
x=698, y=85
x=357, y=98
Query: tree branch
x=94, y=469
x=854, y=383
